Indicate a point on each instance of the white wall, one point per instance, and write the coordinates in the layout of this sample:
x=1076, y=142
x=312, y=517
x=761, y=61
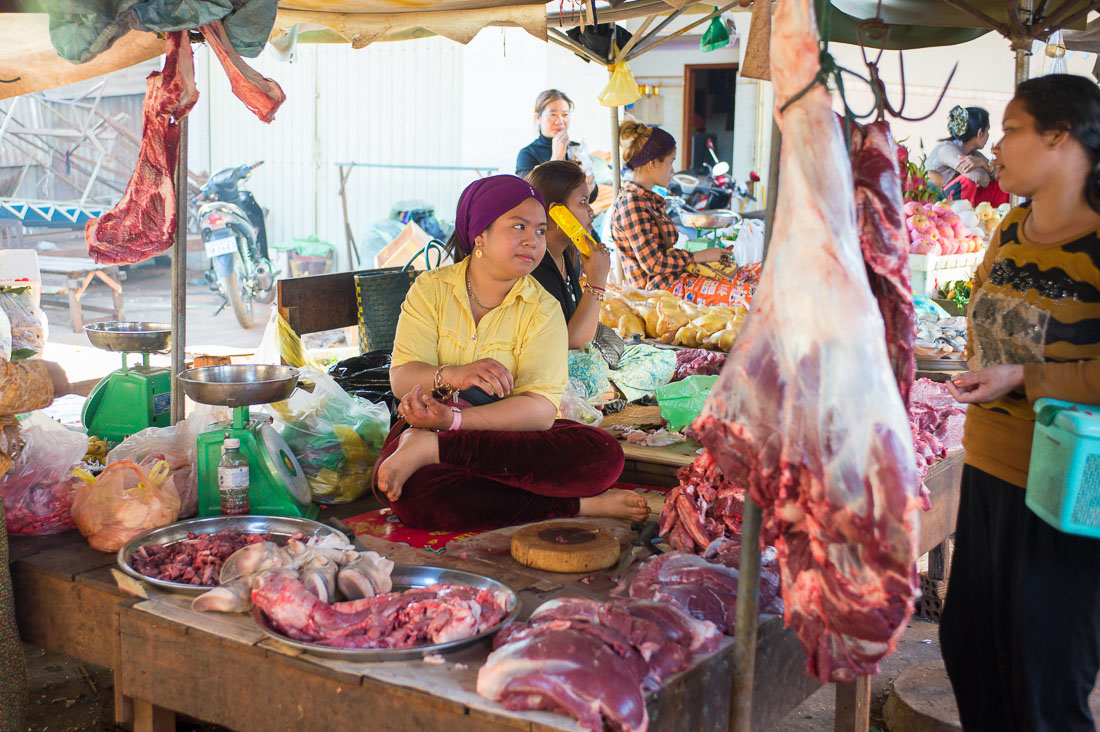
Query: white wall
x=423, y=102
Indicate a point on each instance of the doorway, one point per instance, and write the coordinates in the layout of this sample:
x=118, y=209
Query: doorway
x=709, y=105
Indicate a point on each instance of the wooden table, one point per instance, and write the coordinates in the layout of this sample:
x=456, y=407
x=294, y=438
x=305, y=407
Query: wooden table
x=217, y=668
x=166, y=653
x=79, y=273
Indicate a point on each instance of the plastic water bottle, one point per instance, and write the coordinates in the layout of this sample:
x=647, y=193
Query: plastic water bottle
x=233, y=479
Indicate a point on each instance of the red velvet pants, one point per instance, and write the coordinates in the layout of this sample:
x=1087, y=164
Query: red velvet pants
x=487, y=479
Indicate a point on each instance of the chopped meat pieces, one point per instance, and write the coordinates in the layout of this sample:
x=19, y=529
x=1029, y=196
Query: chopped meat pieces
x=196, y=560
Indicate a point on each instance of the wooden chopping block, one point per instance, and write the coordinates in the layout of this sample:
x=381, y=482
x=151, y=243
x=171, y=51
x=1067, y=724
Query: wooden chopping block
x=565, y=547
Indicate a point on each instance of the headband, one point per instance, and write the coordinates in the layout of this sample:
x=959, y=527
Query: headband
x=487, y=199
x=659, y=144
x=958, y=121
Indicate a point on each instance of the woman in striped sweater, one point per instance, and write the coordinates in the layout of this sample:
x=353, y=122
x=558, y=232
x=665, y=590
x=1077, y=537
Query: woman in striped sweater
x=1021, y=623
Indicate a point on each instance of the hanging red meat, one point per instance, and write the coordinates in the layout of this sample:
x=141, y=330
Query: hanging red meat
x=807, y=415
x=143, y=223
x=885, y=243
x=261, y=95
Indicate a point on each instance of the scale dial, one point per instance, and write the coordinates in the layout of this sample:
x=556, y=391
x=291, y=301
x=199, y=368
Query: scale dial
x=286, y=465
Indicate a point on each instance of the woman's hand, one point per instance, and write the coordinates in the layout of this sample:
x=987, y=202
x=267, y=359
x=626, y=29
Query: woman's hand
x=972, y=162
x=987, y=385
x=597, y=267
x=488, y=374
x=559, y=145
x=60, y=380
x=714, y=254
x=421, y=410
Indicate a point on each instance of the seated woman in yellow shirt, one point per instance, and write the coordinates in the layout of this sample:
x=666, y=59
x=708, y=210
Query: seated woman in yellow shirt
x=479, y=360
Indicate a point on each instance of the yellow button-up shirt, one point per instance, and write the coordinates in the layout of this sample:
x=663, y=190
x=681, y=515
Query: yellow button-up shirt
x=526, y=333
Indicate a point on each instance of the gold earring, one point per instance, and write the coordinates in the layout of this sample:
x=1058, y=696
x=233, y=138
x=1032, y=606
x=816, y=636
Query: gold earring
x=478, y=253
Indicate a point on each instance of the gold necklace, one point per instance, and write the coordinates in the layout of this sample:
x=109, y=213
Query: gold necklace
x=561, y=267
x=470, y=289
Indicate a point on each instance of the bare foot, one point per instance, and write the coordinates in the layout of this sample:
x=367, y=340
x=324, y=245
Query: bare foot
x=416, y=449
x=616, y=504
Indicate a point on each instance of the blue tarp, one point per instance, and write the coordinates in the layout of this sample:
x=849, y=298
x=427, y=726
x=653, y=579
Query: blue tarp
x=82, y=29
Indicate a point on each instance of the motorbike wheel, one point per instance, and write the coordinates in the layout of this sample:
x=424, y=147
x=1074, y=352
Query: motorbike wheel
x=242, y=306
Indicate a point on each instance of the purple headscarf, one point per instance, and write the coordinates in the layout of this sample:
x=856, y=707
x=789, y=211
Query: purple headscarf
x=659, y=144
x=486, y=200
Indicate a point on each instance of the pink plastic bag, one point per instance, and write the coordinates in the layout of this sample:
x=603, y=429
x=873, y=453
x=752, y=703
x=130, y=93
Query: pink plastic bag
x=37, y=490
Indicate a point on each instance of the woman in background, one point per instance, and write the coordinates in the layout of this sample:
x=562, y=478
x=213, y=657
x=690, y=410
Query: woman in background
x=957, y=164
x=553, y=110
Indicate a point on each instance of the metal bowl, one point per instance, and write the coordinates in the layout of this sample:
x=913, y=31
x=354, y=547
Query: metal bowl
x=239, y=385
x=686, y=181
x=283, y=526
x=406, y=577
x=130, y=336
x=715, y=218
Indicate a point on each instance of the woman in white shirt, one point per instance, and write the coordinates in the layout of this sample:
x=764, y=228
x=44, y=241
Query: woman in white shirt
x=957, y=164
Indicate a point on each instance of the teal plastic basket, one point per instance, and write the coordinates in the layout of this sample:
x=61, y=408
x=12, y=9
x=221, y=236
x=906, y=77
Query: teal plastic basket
x=1063, y=480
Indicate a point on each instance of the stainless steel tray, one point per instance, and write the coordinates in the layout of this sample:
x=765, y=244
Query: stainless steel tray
x=407, y=576
x=278, y=525
x=941, y=364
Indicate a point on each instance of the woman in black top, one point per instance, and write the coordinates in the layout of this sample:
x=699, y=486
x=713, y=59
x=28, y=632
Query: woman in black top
x=552, y=111
x=576, y=282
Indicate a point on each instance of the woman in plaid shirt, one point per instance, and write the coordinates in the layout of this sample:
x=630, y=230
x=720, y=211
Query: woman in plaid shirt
x=640, y=229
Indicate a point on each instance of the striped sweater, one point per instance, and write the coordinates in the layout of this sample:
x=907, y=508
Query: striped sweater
x=1036, y=305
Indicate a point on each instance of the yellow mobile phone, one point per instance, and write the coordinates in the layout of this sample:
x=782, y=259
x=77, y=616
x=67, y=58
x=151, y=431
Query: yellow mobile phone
x=568, y=223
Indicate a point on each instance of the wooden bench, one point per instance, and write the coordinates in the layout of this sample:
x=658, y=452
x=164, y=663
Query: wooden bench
x=79, y=272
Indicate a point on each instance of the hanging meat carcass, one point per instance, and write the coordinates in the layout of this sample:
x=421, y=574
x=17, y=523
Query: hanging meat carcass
x=885, y=242
x=261, y=95
x=143, y=224
x=807, y=415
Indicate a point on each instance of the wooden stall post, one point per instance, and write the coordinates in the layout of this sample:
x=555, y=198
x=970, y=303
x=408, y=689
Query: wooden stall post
x=179, y=277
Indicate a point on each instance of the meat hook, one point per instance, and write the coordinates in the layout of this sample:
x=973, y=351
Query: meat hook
x=876, y=31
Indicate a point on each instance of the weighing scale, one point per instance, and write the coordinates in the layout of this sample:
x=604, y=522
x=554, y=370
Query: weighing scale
x=133, y=397
x=709, y=220
x=276, y=484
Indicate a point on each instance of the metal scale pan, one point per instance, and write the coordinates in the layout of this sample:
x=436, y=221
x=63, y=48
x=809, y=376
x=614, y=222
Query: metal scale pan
x=239, y=385
x=130, y=336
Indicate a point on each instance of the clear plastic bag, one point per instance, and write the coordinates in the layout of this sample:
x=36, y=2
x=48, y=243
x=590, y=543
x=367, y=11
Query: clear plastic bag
x=174, y=445
x=5, y=337
x=335, y=436
x=574, y=405
x=122, y=502
x=29, y=327
x=37, y=490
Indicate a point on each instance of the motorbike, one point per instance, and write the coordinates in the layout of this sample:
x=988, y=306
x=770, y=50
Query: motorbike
x=234, y=237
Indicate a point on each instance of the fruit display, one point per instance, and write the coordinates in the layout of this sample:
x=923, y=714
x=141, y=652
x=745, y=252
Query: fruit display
x=989, y=217
x=660, y=315
x=935, y=228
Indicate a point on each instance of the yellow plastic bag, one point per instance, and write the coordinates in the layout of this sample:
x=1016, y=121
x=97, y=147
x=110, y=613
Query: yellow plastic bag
x=122, y=502
x=622, y=89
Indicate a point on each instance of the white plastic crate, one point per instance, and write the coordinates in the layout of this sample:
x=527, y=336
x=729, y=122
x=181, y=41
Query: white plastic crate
x=930, y=272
